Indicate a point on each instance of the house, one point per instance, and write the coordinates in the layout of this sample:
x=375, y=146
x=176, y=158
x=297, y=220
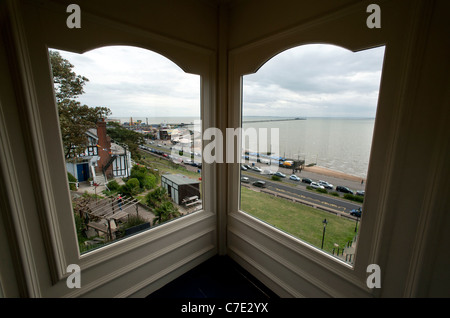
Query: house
x=404, y=229
x=164, y=134
x=180, y=187
x=102, y=157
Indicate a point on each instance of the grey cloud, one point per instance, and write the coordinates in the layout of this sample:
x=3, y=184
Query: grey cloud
x=316, y=77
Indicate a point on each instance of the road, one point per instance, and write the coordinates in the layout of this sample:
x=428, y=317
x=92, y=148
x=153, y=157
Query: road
x=292, y=188
x=298, y=190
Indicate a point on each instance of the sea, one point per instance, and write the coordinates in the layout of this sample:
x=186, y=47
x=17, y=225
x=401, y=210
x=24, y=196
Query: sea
x=340, y=144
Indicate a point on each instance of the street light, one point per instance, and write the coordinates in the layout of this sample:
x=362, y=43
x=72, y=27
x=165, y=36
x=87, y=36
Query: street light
x=324, y=227
x=356, y=225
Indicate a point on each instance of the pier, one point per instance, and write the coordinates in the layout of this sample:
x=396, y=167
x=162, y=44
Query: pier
x=272, y=120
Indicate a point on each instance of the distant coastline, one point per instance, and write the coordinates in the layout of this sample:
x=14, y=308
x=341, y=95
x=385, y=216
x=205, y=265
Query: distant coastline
x=337, y=143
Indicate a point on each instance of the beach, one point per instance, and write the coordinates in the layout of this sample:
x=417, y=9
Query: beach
x=332, y=173
x=334, y=177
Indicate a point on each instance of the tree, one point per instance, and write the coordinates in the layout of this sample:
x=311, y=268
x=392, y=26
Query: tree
x=163, y=208
x=156, y=197
x=146, y=179
x=129, y=137
x=165, y=212
x=130, y=188
x=75, y=119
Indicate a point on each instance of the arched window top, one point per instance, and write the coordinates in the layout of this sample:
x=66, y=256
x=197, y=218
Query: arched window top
x=317, y=74
x=142, y=82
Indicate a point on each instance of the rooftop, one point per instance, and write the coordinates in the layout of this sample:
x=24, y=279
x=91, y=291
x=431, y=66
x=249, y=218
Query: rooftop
x=179, y=179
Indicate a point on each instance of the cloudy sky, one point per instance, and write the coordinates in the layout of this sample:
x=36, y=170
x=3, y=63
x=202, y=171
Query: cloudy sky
x=134, y=82
x=307, y=81
x=316, y=81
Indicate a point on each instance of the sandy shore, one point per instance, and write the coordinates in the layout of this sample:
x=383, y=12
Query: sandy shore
x=332, y=173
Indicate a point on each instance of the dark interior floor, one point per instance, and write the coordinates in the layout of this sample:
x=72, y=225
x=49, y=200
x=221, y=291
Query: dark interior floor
x=218, y=277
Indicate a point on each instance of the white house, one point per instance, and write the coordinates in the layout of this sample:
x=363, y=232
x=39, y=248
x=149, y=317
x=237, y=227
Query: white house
x=101, y=158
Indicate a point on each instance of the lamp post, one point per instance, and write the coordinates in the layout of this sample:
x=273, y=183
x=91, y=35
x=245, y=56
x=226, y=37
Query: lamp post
x=324, y=227
x=356, y=225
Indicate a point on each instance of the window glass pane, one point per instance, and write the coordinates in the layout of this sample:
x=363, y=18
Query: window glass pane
x=313, y=110
x=128, y=118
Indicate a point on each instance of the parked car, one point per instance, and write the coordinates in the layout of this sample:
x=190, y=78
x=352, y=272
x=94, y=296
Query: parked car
x=306, y=180
x=344, y=189
x=294, y=177
x=255, y=168
x=315, y=185
x=245, y=180
x=243, y=167
x=356, y=212
x=279, y=174
x=360, y=192
x=325, y=184
x=259, y=183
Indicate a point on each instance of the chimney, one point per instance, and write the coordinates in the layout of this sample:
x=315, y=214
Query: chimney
x=104, y=146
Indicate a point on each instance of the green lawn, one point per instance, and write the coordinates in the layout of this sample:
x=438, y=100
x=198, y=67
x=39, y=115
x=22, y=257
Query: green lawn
x=299, y=220
x=166, y=166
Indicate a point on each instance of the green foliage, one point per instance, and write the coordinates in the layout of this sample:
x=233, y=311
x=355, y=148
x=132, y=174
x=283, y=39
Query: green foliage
x=352, y=197
x=156, y=197
x=71, y=178
x=334, y=193
x=75, y=119
x=113, y=185
x=67, y=83
x=322, y=190
x=163, y=207
x=165, y=212
x=129, y=137
x=130, y=188
x=79, y=225
x=147, y=179
x=133, y=186
x=140, y=179
x=276, y=178
x=133, y=220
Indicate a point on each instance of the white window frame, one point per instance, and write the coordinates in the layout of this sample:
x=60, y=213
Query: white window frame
x=272, y=255
x=195, y=233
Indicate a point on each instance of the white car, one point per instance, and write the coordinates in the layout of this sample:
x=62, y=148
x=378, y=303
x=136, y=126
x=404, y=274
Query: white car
x=294, y=177
x=325, y=184
x=245, y=180
x=315, y=185
x=257, y=169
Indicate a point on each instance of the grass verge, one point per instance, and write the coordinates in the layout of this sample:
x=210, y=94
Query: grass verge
x=299, y=220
